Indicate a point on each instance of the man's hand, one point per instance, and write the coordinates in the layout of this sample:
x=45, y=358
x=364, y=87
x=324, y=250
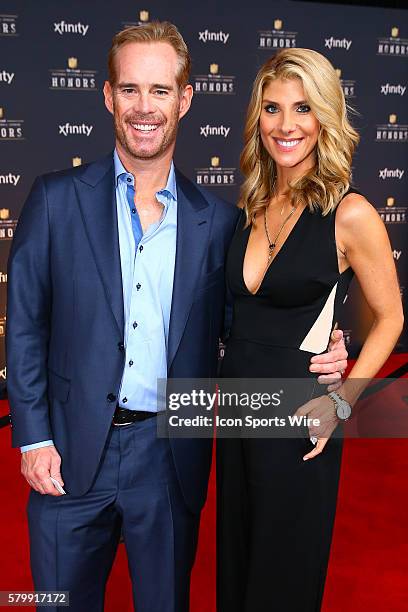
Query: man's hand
x=38, y=465
x=331, y=365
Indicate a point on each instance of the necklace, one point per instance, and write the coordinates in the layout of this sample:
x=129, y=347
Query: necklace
x=272, y=244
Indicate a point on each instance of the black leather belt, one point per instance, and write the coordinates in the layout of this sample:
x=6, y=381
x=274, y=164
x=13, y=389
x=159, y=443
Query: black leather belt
x=124, y=416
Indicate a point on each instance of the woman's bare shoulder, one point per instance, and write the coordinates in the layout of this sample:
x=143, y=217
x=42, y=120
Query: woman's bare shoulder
x=355, y=210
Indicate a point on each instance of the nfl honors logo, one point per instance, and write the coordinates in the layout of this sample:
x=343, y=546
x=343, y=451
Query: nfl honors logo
x=215, y=175
x=392, y=214
x=392, y=131
x=277, y=38
x=393, y=45
x=348, y=86
x=10, y=129
x=144, y=17
x=8, y=25
x=214, y=82
x=73, y=78
x=7, y=225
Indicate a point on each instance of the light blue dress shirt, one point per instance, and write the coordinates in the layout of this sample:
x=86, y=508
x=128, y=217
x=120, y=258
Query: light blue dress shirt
x=147, y=263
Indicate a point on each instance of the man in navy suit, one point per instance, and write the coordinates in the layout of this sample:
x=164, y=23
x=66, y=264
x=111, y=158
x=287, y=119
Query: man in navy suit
x=116, y=279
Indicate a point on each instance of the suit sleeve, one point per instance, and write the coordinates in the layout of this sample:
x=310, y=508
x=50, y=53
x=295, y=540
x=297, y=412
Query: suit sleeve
x=28, y=321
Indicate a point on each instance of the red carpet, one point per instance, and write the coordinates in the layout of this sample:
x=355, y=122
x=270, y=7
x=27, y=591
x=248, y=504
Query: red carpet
x=368, y=568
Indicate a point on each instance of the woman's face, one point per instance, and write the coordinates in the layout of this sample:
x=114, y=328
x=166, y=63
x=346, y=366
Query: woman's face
x=288, y=128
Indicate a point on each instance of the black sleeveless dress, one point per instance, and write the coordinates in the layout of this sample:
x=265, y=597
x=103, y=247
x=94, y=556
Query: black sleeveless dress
x=275, y=512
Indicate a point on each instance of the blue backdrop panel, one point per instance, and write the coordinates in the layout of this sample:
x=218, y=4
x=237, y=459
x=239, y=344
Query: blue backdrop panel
x=53, y=66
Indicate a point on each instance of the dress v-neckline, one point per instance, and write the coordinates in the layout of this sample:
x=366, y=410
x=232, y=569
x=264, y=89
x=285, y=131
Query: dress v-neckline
x=273, y=260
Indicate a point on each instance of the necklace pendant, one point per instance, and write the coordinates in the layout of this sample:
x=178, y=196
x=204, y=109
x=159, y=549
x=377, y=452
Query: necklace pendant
x=271, y=247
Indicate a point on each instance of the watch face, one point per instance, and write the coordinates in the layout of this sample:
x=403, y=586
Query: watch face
x=343, y=410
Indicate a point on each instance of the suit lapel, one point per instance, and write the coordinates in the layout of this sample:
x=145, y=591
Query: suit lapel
x=95, y=190
x=193, y=226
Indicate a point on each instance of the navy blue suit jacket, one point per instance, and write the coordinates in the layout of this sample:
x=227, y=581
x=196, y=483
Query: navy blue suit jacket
x=65, y=317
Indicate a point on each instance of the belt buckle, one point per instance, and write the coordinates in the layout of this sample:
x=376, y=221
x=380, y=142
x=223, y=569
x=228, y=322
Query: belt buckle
x=121, y=424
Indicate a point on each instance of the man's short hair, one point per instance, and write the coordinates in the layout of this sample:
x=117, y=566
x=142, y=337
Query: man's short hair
x=155, y=31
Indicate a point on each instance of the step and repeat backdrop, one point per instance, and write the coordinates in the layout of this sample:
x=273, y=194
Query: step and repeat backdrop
x=52, y=115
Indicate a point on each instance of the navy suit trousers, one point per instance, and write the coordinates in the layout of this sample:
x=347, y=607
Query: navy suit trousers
x=74, y=538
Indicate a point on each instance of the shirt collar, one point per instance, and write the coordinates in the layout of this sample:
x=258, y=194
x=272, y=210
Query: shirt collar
x=121, y=173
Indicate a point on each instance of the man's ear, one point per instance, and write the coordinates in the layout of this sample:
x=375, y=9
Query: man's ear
x=108, y=93
x=185, y=100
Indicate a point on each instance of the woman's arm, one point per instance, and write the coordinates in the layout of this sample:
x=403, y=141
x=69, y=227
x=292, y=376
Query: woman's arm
x=362, y=237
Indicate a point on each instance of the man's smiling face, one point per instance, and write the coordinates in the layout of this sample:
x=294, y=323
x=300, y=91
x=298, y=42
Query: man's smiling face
x=146, y=100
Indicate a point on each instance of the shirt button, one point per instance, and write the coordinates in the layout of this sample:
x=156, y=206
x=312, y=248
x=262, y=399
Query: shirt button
x=141, y=248
x=121, y=346
x=129, y=180
x=133, y=210
x=130, y=363
x=134, y=324
x=111, y=397
x=124, y=400
x=138, y=286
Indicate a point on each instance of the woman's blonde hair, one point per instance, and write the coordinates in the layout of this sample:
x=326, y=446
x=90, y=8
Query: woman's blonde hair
x=324, y=185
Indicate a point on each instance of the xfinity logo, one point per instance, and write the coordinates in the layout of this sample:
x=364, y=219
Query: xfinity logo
x=207, y=36
x=9, y=179
x=385, y=173
x=392, y=89
x=396, y=254
x=209, y=130
x=336, y=43
x=69, y=129
x=70, y=28
x=6, y=77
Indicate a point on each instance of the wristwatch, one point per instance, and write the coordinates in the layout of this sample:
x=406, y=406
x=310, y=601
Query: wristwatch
x=343, y=408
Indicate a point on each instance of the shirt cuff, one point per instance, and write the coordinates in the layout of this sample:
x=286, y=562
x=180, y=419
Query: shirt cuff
x=29, y=447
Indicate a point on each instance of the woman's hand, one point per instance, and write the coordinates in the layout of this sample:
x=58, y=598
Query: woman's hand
x=322, y=411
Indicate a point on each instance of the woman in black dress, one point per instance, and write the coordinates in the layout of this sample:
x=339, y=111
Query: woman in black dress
x=302, y=234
